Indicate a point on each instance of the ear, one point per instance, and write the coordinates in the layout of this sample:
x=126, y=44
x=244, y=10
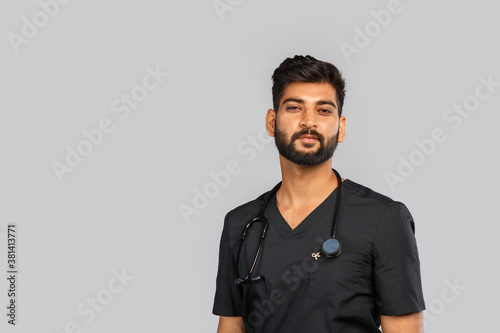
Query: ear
x=270, y=120
x=341, y=129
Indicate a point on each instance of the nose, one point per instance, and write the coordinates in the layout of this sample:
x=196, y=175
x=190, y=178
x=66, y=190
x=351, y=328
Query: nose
x=308, y=119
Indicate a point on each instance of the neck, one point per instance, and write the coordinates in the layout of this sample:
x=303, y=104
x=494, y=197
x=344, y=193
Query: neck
x=305, y=185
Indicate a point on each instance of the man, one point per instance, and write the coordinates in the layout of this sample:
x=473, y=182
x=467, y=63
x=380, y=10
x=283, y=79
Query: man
x=293, y=287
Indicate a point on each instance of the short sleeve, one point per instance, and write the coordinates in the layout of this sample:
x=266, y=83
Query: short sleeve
x=397, y=279
x=228, y=298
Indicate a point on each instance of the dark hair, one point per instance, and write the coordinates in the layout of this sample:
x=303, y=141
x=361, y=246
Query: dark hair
x=306, y=69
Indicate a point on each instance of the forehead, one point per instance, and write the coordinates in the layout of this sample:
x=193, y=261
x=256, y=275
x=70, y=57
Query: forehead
x=309, y=91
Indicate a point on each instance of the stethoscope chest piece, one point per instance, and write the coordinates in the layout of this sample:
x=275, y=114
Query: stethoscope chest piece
x=331, y=247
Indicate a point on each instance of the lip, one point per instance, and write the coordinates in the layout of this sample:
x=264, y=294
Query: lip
x=308, y=138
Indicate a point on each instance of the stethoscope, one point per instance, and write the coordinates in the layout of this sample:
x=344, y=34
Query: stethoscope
x=330, y=248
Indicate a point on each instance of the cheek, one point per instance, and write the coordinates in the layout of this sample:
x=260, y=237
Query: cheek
x=285, y=129
x=288, y=124
x=332, y=129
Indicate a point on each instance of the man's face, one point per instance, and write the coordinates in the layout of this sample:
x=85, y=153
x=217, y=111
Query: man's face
x=307, y=127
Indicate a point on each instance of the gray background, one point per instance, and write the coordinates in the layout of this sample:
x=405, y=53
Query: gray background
x=120, y=208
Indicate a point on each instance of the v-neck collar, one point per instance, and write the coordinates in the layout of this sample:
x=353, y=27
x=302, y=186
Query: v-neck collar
x=282, y=226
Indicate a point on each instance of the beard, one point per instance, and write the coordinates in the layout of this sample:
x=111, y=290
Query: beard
x=288, y=150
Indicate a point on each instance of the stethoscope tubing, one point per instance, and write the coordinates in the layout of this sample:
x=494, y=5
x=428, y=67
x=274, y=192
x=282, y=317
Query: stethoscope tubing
x=261, y=219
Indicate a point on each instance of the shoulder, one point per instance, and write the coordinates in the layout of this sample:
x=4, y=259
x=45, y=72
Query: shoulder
x=237, y=218
x=379, y=204
x=365, y=193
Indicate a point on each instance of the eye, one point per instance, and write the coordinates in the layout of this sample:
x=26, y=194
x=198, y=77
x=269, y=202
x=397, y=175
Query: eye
x=293, y=108
x=325, y=111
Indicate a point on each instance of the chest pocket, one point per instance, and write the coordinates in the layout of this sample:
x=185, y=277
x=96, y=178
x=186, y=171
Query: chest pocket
x=335, y=280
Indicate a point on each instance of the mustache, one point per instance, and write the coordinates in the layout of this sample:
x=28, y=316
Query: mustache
x=305, y=131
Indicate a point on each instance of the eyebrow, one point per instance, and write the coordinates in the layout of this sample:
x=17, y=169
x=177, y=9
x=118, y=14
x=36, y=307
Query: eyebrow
x=301, y=101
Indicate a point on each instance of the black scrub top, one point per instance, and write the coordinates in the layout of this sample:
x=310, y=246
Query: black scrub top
x=377, y=272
